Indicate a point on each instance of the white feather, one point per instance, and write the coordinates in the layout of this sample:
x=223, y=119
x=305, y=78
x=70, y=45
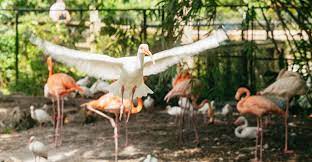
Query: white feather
x=175, y=110
x=185, y=103
x=150, y=158
x=226, y=110
x=204, y=109
x=167, y=58
x=149, y=102
x=84, y=81
x=99, y=86
x=46, y=91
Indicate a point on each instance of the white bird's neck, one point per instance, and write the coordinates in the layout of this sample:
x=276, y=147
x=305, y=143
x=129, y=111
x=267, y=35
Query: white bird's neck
x=32, y=114
x=245, y=123
x=140, y=60
x=238, y=132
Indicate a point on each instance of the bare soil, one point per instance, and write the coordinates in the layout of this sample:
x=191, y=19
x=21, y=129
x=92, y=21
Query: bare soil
x=154, y=133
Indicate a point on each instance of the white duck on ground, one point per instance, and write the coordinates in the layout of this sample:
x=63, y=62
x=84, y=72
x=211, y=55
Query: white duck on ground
x=37, y=148
x=40, y=115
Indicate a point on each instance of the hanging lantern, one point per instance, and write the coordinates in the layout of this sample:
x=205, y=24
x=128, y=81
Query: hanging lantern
x=58, y=12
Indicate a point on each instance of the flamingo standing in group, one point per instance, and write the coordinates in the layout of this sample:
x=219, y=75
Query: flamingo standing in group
x=58, y=86
x=128, y=71
x=287, y=85
x=182, y=86
x=257, y=106
x=111, y=103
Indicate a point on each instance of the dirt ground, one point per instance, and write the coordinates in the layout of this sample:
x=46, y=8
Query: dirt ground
x=155, y=133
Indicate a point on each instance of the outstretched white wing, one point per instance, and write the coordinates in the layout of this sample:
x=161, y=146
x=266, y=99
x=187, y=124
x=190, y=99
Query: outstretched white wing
x=96, y=65
x=167, y=58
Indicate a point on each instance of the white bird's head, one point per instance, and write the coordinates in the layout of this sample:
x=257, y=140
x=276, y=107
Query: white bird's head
x=239, y=120
x=31, y=139
x=144, y=50
x=212, y=103
x=32, y=107
x=168, y=107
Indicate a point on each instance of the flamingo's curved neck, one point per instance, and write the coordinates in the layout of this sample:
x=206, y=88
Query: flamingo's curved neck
x=138, y=108
x=242, y=91
x=198, y=106
x=50, y=66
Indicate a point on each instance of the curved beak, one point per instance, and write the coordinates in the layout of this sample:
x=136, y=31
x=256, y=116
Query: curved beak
x=149, y=53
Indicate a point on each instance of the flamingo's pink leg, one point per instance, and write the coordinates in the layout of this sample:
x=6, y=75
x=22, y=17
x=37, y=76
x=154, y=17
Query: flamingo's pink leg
x=257, y=138
x=113, y=125
x=122, y=107
x=57, y=122
x=126, y=124
x=261, y=139
x=286, y=151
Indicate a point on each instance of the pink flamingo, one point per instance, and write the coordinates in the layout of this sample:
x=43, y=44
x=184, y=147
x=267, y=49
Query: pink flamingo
x=182, y=87
x=58, y=86
x=257, y=106
x=111, y=104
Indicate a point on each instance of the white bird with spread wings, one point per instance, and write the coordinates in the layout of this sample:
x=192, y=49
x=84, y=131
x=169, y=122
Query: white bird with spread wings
x=128, y=71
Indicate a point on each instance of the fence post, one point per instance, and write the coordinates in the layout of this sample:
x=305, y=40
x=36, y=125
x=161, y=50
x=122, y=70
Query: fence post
x=16, y=46
x=144, y=26
x=198, y=57
x=252, y=79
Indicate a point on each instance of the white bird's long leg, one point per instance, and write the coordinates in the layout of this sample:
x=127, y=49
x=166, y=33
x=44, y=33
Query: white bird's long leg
x=61, y=119
x=122, y=107
x=54, y=113
x=113, y=125
x=131, y=102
